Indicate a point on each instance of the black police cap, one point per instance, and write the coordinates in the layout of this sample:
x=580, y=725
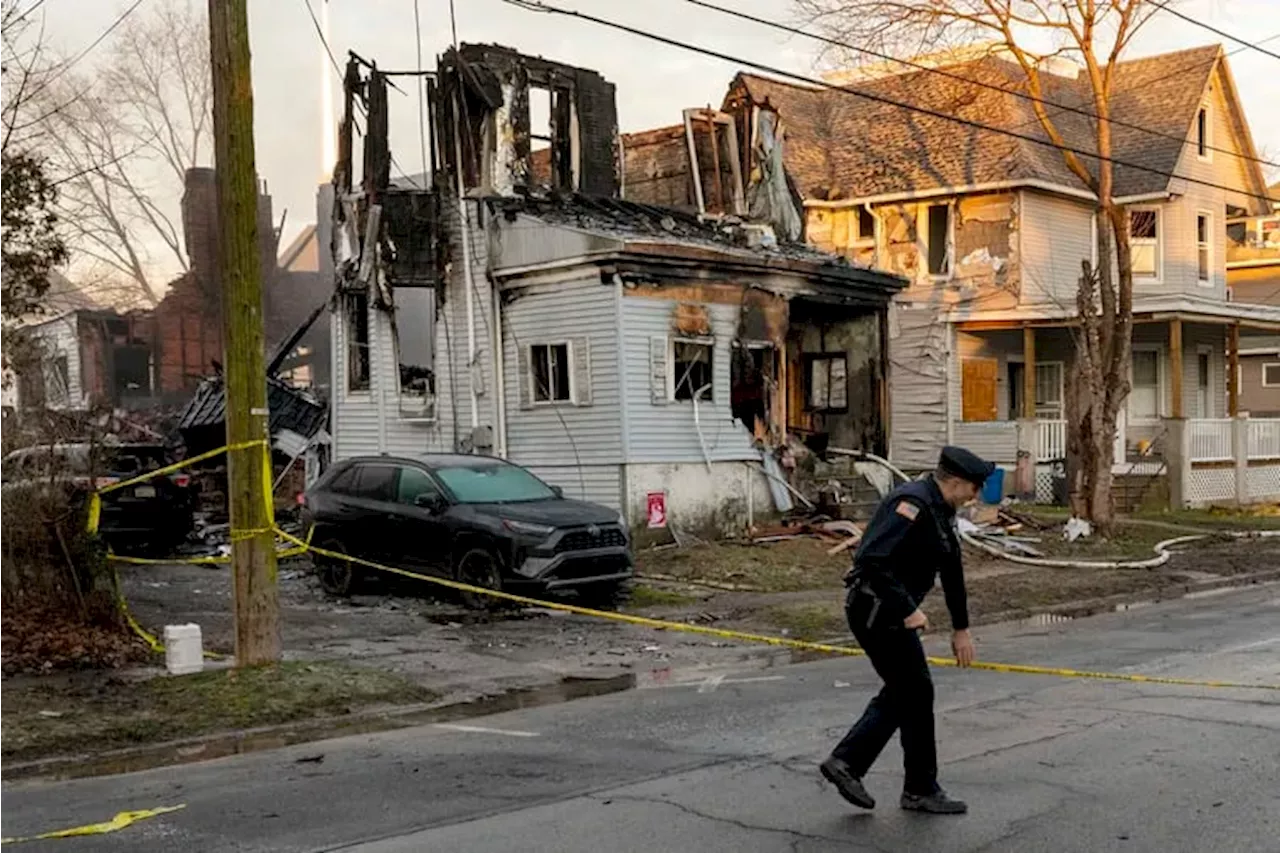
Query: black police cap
x=966, y=465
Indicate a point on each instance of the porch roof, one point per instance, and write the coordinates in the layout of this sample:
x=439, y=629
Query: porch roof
x=1145, y=309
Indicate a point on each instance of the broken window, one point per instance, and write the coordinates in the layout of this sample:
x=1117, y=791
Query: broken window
x=692, y=374
x=938, y=236
x=866, y=226
x=551, y=143
x=751, y=382
x=550, y=374
x=415, y=351
x=357, y=335
x=60, y=380
x=828, y=383
x=713, y=152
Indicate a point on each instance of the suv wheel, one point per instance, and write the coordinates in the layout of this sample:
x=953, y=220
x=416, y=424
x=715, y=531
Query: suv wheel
x=479, y=568
x=337, y=576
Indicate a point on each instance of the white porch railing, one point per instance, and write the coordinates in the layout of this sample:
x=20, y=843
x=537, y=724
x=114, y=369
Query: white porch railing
x=1264, y=438
x=1051, y=440
x=1211, y=440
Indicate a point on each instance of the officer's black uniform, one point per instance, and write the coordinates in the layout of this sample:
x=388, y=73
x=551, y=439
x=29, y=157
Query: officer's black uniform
x=910, y=541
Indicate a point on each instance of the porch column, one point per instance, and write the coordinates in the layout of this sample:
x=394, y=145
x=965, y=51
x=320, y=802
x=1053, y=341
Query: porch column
x=1175, y=365
x=1233, y=370
x=1028, y=372
x=1240, y=450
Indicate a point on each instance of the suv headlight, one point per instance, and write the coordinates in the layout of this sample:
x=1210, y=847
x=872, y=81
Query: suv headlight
x=527, y=528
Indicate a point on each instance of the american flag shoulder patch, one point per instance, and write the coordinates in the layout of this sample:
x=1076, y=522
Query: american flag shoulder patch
x=907, y=510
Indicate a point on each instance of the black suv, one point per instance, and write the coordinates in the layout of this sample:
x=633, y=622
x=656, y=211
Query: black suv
x=476, y=519
x=151, y=517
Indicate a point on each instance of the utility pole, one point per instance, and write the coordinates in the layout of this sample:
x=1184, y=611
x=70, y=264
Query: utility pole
x=253, y=554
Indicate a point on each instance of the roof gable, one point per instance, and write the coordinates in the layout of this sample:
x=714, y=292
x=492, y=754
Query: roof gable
x=840, y=145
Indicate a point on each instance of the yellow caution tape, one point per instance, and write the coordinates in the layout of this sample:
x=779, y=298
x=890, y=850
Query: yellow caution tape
x=117, y=823
x=304, y=546
x=785, y=642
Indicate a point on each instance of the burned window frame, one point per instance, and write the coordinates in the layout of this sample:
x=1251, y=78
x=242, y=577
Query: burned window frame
x=551, y=397
x=356, y=319
x=944, y=265
x=812, y=362
x=678, y=382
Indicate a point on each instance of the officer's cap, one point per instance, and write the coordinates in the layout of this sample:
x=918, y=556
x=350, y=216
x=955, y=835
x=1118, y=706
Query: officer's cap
x=966, y=465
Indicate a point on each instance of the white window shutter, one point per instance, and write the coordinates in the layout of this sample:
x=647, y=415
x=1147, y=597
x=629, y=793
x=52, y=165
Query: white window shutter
x=658, y=370
x=581, y=353
x=524, y=375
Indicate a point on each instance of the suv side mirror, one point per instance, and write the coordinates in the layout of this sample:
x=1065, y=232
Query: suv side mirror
x=557, y=491
x=430, y=501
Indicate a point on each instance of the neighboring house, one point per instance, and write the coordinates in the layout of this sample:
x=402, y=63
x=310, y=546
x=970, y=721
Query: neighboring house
x=619, y=350
x=1253, y=275
x=991, y=232
x=299, y=287
x=89, y=358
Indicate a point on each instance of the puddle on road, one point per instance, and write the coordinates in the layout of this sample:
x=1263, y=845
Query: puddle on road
x=567, y=689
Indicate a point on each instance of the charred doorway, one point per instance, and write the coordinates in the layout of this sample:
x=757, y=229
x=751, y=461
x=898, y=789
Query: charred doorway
x=836, y=389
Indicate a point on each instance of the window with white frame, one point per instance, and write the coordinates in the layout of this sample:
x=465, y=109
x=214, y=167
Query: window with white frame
x=1049, y=389
x=1144, y=398
x=1204, y=382
x=550, y=373
x=1204, y=244
x=1271, y=375
x=692, y=372
x=1204, y=133
x=937, y=239
x=1144, y=242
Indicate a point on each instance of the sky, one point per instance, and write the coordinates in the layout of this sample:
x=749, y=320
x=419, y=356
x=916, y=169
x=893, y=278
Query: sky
x=654, y=82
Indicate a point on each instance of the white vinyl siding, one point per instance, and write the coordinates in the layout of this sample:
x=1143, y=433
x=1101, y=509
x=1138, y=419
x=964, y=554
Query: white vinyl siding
x=1056, y=236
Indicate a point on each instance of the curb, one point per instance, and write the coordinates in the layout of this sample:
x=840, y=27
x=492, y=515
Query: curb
x=1133, y=600
x=243, y=741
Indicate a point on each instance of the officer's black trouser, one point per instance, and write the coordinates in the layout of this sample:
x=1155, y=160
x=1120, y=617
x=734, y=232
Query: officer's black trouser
x=905, y=704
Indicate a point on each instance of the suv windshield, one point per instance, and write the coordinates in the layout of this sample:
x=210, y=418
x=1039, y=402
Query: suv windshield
x=487, y=483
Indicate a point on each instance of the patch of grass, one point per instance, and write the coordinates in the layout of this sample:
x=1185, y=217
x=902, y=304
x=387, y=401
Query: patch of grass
x=786, y=566
x=44, y=718
x=1262, y=517
x=648, y=596
x=807, y=621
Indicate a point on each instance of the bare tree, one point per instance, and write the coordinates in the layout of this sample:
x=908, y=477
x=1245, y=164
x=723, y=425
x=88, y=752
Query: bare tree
x=123, y=136
x=1095, y=34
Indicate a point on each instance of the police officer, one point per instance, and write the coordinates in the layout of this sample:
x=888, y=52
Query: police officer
x=910, y=541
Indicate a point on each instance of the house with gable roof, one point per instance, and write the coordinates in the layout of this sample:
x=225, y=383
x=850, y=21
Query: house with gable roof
x=990, y=228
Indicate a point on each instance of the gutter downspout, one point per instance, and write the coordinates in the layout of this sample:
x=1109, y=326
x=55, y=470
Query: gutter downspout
x=466, y=272
x=499, y=378
x=625, y=424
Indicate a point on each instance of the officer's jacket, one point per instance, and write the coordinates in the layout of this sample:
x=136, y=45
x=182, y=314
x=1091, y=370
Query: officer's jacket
x=910, y=541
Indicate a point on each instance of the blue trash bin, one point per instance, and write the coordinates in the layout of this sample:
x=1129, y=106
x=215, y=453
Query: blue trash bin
x=993, y=488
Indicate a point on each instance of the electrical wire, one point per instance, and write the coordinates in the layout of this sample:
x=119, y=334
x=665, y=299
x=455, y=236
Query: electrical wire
x=1248, y=44
x=536, y=6
x=963, y=79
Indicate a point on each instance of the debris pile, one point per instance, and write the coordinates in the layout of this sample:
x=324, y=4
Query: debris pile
x=1003, y=527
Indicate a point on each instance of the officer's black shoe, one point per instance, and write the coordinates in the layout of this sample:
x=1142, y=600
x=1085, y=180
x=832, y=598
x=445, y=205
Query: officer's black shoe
x=850, y=787
x=936, y=803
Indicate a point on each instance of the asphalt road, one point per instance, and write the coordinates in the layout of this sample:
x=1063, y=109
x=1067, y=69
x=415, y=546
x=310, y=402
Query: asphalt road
x=725, y=761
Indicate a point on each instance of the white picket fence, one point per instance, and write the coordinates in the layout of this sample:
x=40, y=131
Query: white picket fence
x=1051, y=440
x=1264, y=438
x=1211, y=440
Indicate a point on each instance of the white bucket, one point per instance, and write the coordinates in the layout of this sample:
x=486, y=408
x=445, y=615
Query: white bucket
x=183, y=649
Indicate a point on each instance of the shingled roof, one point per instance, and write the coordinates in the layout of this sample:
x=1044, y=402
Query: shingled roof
x=840, y=145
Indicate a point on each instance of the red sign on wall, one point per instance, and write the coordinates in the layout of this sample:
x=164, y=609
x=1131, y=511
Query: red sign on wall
x=657, y=509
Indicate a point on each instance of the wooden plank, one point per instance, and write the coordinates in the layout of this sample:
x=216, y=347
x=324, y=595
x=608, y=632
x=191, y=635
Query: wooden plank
x=978, y=389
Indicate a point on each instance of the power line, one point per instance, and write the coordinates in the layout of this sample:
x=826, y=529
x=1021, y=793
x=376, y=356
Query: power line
x=960, y=77
x=536, y=6
x=67, y=66
x=1213, y=29
x=323, y=41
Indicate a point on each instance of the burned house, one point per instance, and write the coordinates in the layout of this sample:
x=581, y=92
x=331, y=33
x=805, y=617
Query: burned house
x=512, y=303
